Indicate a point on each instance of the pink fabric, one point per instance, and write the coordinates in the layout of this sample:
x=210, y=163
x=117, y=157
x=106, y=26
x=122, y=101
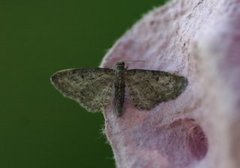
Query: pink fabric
x=198, y=39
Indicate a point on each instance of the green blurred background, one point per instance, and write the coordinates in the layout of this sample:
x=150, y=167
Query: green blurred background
x=38, y=127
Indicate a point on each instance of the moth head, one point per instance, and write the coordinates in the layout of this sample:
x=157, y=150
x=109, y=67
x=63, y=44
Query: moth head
x=120, y=66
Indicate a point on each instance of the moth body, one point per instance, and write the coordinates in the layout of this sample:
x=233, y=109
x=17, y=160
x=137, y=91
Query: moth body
x=119, y=88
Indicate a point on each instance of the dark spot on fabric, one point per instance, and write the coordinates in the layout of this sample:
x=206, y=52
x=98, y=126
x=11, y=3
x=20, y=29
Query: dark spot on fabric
x=152, y=22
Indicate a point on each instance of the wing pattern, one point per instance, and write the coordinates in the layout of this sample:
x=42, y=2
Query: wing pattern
x=91, y=88
x=148, y=88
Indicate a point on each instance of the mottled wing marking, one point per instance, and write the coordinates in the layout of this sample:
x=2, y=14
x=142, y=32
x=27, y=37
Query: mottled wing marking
x=91, y=88
x=149, y=88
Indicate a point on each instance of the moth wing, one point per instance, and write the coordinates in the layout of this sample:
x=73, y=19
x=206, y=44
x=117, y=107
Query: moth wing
x=149, y=88
x=91, y=88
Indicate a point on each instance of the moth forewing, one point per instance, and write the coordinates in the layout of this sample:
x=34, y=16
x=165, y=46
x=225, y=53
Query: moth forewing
x=91, y=88
x=148, y=88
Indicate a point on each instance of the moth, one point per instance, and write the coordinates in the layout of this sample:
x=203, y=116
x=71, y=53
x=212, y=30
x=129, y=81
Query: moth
x=95, y=88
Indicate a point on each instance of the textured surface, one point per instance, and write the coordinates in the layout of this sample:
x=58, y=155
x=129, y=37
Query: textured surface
x=94, y=88
x=149, y=88
x=198, y=39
